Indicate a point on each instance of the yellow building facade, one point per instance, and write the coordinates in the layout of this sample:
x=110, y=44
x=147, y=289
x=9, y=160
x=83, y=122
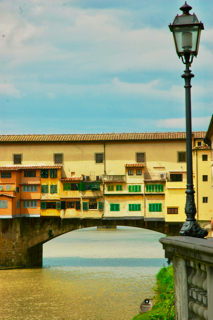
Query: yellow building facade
x=109, y=176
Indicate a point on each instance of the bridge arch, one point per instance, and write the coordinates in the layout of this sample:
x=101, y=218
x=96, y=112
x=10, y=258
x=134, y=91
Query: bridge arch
x=22, y=239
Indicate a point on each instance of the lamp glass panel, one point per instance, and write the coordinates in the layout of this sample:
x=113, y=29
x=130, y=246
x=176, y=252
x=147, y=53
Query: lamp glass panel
x=187, y=19
x=178, y=34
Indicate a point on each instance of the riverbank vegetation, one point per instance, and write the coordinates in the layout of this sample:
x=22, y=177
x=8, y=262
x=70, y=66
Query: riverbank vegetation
x=164, y=308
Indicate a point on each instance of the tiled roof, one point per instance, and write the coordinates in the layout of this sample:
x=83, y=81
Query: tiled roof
x=6, y=195
x=133, y=165
x=19, y=167
x=206, y=147
x=98, y=137
x=71, y=179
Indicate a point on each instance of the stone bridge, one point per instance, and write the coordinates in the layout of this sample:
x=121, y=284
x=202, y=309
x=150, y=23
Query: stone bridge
x=22, y=239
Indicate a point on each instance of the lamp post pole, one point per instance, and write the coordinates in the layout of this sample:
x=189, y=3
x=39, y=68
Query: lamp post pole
x=186, y=31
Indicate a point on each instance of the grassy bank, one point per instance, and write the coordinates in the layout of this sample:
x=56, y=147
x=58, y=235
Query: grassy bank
x=164, y=299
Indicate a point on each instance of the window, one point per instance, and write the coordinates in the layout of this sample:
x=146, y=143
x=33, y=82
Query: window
x=53, y=173
x=32, y=188
x=95, y=186
x=182, y=156
x=135, y=188
x=43, y=205
x=44, y=188
x=99, y=157
x=140, y=157
x=78, y=205
x=154, y=188
x=17, y=158
x=114, y=207
x=17, y=189
x=199, y=143
x=18, y=204
x=85, y=206
x=119, y=187
x=176, y=177
x=205, y=199
x=1, y=188
x=134, y=207
x=3, y=204
x=30, y=173
x=74, y=186
x=93, y=205
x=53, y=188
x=138, y=172
x=130, y=172
x=5, y=174
x=71, y=205
x=44, y=173
x=205, y=157
x=8, y=187
x=172, y=210
x=50, y=205
x=29, y=204
x=110, y=187
x=205, y=178
x=58, y=158
x=155, y=207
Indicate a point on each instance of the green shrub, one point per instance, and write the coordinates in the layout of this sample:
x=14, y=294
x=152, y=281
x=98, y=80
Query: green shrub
x=164, y=308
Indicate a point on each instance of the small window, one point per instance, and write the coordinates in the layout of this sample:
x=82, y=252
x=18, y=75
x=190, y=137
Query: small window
x=17, y=189
x=32, y=188
x=172, y=210
x=43, y=205
x=199, y=143
x=67, y=186
x=100, y=205
x=155, y=207
x=1, y=188
x=3, y=204
x=130, y=172
x=114, y=207
x=53, y=173
x=85, y=206
x=99, y=157
x=74, y=186
x=17, y=158
x=110, y=187
x=18, y=204
x=181, y=156
x=53, y=188
x=8, y=187
x=205, y=199
x=93, y=205
x=135, y=188
x=140, y=157
x=58, y=158
x=78, y=205
x=50, y=205
x=205, y=157
x=176, y=177
x=44, y=173
x=119, y=187
x=71, y=204
x=6, y=175
x=205, y=178
x=44, y=188
x=29, y=204
x=134, y=207
x=30, y=173
x=138, y=172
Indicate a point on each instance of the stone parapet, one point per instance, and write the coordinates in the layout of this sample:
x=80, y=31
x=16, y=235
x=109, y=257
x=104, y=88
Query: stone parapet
x=192, y=260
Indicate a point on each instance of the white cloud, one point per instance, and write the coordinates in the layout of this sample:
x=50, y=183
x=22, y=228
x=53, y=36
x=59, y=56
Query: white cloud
x=180, y=122
x=9, y=89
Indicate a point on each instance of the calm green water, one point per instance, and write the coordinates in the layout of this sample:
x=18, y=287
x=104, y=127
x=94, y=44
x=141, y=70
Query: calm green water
x=87, y=274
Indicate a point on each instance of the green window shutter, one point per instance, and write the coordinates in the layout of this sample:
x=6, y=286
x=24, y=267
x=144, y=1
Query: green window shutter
x=117, y=207
x=100, y=205
x=44, y=188
x=67, y=186
x=119, y=187
x=43, y=205
x=53, y=188
x=130, y=189
x=110, y=187
x=85, y=206
x=58, y=205
x=150, y=207
x=161, y=188
x=81, y=186
x=95, y=186
x=111, y=207
x=139, y=188
x=138, y=207
x=78, y=205
x=147, y=188
x=130, y=207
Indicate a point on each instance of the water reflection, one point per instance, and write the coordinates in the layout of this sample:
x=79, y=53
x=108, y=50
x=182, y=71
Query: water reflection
x=87, y=274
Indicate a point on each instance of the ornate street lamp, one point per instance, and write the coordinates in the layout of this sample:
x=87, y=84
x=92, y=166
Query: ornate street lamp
x=186, y=31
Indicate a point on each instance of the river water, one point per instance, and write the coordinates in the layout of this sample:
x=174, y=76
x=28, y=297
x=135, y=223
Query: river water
x=87, y=274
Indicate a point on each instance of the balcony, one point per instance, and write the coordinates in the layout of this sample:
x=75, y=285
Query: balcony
x=115, y=178
x=157, y=176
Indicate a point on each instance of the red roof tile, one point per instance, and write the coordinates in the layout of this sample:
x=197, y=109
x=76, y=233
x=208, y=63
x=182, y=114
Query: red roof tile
x=98, y=137
x=133, y=165
x=19, y=167
x=71, y=179
x=206, y=147
x=6, y=195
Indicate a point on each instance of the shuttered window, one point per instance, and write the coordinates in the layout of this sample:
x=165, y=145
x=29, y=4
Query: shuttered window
x=53, y=188
x=58, y=205
x=85, y=206
x=135, y=188
x=100, y=205
x=135, y=207
x=44, y=173
x=53, y=173
x=78, y=205
x=114, y=207
x=43, y=205
x=110, y=187
x=3, y=204
x=119, y=187
x=67, y=186
x=155, y=207
x=44, y=188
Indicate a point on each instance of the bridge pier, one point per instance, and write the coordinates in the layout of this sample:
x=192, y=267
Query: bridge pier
x=22, y=239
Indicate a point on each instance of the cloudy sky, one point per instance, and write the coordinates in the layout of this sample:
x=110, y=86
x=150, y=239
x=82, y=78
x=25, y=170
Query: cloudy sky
x=92, y=66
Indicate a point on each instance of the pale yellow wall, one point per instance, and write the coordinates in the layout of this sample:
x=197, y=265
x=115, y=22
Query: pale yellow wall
x=175, y=198
x=124, y=202
x=154, y=199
